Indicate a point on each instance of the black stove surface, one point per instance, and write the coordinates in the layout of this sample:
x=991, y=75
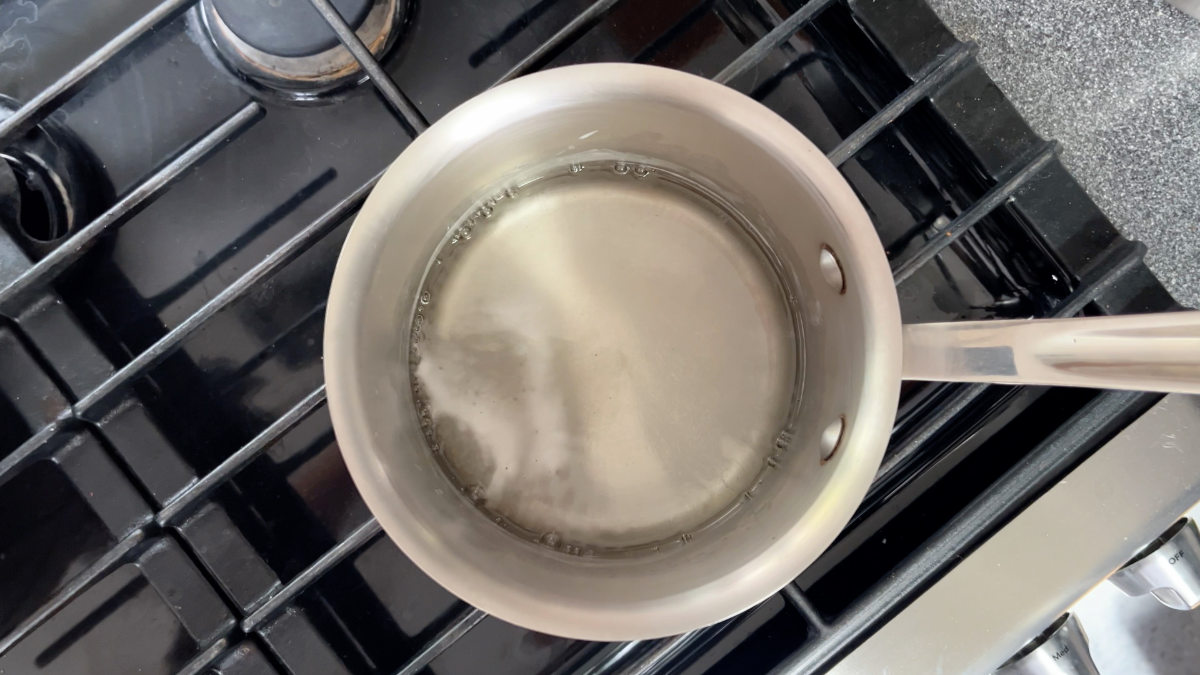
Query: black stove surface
x=172, y=498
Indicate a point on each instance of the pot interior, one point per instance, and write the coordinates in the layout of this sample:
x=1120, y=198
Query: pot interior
x=608, y=362
x=604, y=357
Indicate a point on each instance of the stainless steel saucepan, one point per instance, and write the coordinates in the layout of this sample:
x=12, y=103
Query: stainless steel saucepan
x=613, y=352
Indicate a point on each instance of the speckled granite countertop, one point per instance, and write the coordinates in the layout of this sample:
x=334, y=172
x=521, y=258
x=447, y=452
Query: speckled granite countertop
x=1118, y=83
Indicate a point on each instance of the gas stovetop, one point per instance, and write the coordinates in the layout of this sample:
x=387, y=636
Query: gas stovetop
x=178, y=179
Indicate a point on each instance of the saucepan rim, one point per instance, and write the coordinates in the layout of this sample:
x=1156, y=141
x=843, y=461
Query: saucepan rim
x=792, y=550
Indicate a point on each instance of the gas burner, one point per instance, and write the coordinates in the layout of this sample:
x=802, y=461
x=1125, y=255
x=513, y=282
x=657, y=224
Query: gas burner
x=49, y=185
x=286, y=46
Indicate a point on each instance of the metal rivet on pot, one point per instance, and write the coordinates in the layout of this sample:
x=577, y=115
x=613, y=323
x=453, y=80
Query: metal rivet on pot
x=831, y=269
x=831, y=437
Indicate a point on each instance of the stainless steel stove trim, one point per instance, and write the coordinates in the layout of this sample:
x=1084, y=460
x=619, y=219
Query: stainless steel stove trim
x=1050, y=555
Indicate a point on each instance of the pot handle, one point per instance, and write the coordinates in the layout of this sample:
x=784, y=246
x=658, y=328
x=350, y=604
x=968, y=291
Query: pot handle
x=1144, y=352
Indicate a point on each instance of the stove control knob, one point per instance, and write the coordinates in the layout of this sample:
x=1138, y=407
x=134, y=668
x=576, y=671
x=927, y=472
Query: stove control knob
x=1061, y=649
x=1168, y=568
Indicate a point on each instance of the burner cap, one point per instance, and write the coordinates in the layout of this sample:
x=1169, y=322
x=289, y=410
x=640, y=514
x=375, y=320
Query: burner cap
x=287, y=46
x=286, y=27
x=50, y=185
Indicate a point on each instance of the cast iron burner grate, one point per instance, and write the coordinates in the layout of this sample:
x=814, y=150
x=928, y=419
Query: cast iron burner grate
x=171, y=496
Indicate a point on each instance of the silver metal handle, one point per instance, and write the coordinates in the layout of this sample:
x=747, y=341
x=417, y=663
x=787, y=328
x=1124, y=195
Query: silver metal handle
x=1144, y=352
